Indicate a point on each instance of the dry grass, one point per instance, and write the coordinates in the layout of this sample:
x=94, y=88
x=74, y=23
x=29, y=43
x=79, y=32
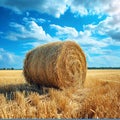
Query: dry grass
x=100, y=98
x=11, y=77
x=95, y=77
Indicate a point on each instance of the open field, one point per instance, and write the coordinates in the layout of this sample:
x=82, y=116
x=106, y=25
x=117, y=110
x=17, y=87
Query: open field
x=11, y=77
x=101, y=92
x=93, y=76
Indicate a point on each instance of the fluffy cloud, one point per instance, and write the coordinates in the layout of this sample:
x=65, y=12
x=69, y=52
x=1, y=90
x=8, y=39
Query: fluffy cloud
x=37, y=31
x=57, y=8
x=37, y=20
x=6, y=55
x=87, y=39
x=113, y=8
x=31, y=30
x=85, y=7
x=109, y=27
x=104, y=60
x=84, y=38
x=65, y=31
x=8, y=59
x=42, y=20
x=51, y=7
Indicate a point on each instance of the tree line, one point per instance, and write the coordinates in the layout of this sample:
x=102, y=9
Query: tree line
x=88, y=68
x=103, y=67
x=7, y=68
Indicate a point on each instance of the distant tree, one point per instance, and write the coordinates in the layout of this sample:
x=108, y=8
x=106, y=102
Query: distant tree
x=12, y=68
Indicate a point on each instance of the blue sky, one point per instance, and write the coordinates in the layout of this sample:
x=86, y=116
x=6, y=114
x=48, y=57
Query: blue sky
x=93, y=24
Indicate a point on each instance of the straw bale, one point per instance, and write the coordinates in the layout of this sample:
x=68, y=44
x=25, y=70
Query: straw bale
x=57, y=64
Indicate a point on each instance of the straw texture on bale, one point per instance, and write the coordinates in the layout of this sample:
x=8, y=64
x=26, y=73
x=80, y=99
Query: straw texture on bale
x=57, y=64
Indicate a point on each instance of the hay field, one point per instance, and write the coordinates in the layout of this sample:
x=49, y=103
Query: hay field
x=101, y=92
x=93, y=77
x=97, y=77
x=11, y=77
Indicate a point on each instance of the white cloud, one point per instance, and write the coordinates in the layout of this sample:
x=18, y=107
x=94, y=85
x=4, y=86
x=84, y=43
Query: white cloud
x=37, y=20
x=106, y=57
x=109, y=27
x=85, y=7
x=78, y=7
x=86, y=38
x=37, y=32
x=19, y=27
x=104, y=60
x=6, y=55
x=8, y=59
x=31, y=30
x=51, y=7
x=37, y=43
x=32, y=33
x=65, y=31
x=98, y=51
x=113, y=8
x=110, y=8
x=57, y=8
x=112, y=42
x=42, y=20
x=83, y=37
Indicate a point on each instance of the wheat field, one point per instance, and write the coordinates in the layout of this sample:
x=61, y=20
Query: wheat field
x=99, y=98
x=11, y=77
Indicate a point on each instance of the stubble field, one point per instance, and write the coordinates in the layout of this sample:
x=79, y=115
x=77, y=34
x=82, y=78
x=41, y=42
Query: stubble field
x=100, y=93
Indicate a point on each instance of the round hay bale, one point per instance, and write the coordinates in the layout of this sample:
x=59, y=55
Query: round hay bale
x=57, y=64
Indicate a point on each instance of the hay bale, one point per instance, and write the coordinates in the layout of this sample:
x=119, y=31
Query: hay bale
x=57, y=64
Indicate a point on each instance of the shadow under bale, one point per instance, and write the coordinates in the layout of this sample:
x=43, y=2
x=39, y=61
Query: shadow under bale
x=10, y=90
